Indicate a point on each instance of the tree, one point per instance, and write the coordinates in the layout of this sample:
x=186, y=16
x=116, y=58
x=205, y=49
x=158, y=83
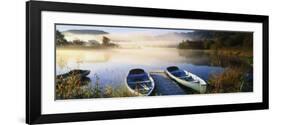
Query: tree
x=60, y=40
x=78, y=42
x=105, y=41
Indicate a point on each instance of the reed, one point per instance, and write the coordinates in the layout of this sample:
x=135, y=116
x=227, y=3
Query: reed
x=228, y=81
x=120, y=91
x=237, y=65
x=74, y=87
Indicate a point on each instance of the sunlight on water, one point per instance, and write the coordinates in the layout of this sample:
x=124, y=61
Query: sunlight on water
x=112, y=65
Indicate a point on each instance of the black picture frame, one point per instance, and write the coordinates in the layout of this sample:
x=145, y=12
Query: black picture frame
x=33, y=61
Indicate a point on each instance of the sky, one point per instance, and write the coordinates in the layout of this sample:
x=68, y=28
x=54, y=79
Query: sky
x=108, y=29
x=125, y=35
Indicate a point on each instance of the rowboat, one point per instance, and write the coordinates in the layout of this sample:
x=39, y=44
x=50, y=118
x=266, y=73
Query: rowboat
x=139, y=82
x=80, y=75
x=75, y=72
x=187, y=79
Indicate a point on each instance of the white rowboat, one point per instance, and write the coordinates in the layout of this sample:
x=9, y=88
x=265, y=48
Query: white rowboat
x=139, y=82
x=187, y=79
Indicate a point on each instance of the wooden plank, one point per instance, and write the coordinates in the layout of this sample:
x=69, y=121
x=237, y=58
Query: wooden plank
x=165, y=86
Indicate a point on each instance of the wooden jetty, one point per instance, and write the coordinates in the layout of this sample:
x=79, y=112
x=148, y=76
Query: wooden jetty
x=164, y=85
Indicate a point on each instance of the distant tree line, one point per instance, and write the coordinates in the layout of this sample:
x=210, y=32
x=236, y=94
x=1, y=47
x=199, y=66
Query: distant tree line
x=190, y=44
x=61, y=41
x=218, y=40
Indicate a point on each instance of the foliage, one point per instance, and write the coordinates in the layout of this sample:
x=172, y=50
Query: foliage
x=228, y=81
x=218, y=40
x=105, y=40
x=236, y=76
x=120, y=91
x=188, y=44
x=78, y=42
x=60, y=40
x=73, y=87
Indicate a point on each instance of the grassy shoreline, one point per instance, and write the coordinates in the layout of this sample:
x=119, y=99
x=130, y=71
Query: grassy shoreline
x=72, y=88
x=238, y=66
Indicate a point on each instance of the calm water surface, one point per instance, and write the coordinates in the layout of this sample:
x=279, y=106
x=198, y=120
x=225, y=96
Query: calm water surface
x=112, y=65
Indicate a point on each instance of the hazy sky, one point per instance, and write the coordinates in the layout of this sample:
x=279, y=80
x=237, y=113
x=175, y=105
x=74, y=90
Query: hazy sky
x=118, y=29
x=126, y=36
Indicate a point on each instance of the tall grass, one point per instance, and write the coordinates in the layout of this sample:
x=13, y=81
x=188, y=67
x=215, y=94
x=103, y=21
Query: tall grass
x=73, y=87
x=231, y=58
x=237, y=64
x=228, y=81
x=120, y=91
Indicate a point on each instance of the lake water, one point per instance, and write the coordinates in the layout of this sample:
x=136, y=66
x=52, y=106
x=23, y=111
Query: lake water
x=112, y=65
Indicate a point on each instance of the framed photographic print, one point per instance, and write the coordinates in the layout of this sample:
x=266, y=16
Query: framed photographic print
x=94, y=62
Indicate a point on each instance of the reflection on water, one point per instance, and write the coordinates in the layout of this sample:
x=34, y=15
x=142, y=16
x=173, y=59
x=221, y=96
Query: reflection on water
x=112, y=65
